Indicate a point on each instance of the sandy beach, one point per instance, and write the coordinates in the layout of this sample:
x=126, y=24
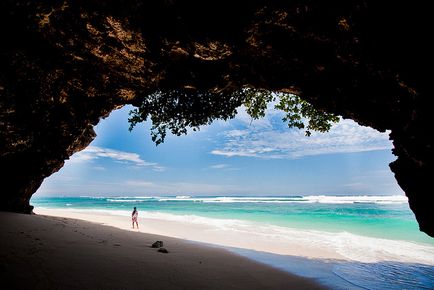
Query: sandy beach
x=54, y=252
x=199, y=229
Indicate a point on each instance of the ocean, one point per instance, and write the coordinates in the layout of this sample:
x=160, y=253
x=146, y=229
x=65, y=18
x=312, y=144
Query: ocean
x=377, y=235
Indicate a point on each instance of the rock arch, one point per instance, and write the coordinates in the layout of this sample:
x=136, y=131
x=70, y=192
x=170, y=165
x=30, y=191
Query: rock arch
x=65, y=64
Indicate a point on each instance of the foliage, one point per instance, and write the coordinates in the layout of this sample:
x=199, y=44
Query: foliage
x=296, y=110
x=178, y=110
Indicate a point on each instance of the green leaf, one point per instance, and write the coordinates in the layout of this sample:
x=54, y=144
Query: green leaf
x=178, y=110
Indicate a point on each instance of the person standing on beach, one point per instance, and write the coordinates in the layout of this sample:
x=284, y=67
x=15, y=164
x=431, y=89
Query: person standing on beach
x=134, y=216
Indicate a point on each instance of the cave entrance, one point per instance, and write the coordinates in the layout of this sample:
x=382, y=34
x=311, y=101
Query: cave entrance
x=239, y=162
x=249, y=185
x=238, y=157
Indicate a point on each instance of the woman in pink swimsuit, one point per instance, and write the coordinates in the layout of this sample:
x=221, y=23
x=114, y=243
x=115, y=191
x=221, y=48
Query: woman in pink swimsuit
x=134, y=216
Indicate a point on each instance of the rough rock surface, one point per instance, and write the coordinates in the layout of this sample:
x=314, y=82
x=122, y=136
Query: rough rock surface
x=65, y=64
x=163, y=250
x=157, y=244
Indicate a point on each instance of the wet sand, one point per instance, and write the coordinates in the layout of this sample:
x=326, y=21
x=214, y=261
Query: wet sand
x=49, y=252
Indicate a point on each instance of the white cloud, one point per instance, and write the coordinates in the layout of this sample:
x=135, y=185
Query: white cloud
x=272, y=139
x=229, y=152
x=93, y=152
x=101, y=168
x=219, y=166
x=158, y=168
x=244, y=118
x=236, y=133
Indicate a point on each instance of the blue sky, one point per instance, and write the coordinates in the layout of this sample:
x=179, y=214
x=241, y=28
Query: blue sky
x=238, y=157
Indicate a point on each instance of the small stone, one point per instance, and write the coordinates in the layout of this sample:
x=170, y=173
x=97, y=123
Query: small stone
x=163, y=250
x=157, y=244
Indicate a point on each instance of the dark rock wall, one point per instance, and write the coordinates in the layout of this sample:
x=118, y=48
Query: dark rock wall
x=66, y=64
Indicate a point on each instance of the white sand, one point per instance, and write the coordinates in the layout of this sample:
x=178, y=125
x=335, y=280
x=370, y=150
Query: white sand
x=48, y=252
x=205, y=233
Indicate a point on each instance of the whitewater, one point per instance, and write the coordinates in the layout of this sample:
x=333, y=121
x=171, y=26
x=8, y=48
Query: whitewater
x=351, y=241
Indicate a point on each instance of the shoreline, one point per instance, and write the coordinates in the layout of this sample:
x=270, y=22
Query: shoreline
x=191, y=236
x=46, y=252
x=262, y=237
x=198, y=231
x=337, y=261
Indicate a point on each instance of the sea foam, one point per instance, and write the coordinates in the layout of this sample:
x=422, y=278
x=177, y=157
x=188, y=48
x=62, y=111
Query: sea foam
x=391, y=199
x=326, y=199
x=351, y=246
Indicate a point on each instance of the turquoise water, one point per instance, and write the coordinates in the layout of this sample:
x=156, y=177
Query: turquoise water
x=379, y=217
x=377, y=235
